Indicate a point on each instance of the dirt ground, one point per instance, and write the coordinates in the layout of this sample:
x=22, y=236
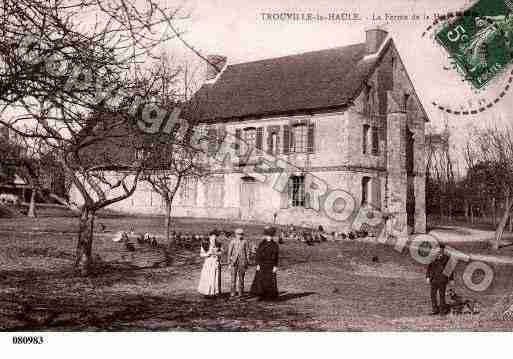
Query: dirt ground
x=331, y=286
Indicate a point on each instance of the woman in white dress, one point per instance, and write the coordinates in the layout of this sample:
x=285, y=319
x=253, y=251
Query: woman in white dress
x=210, y=278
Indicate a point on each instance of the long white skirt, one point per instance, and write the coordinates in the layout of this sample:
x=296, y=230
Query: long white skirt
x=210, y=283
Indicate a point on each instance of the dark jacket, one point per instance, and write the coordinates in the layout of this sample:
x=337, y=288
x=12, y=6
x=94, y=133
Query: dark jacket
x=435, y=271
x=267, y=254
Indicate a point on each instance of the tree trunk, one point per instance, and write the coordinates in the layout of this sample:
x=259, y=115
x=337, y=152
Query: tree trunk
x=170, y=248
x=168, y=222
x=502, y=224
x=440, y=209
x=494, y=212
x=471, y=214
x=32, y=205
x=83, y=255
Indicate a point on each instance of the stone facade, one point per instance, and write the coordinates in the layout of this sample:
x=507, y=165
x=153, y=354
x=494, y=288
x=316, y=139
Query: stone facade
x=373, y=148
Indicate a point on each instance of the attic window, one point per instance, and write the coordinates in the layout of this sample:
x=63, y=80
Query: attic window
x=139, y=154
x=405, y=102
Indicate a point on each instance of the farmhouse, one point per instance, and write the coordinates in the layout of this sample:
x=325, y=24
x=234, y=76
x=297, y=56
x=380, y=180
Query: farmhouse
x=347, y=115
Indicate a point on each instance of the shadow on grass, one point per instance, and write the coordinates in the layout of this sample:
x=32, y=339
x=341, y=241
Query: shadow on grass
x=140, y=299
x=143, y=312
x=453, y=229
x=289, y=296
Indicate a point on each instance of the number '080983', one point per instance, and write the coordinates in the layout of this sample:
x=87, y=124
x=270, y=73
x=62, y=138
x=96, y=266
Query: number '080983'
x=27, y=340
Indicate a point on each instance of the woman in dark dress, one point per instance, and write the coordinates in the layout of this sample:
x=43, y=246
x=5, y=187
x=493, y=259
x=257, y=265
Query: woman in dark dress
x=264, y=285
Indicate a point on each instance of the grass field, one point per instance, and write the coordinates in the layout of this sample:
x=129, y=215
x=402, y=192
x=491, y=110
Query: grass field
x=328, y=286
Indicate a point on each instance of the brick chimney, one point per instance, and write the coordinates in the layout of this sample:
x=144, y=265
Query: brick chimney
x=215, y=65
x=374, y=38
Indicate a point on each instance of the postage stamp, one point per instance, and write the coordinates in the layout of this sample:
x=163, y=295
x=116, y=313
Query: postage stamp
x=480, y=41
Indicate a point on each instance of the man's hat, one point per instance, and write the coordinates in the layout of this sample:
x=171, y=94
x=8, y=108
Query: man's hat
x=239, y=231
x=269, y=231
x=213, y=232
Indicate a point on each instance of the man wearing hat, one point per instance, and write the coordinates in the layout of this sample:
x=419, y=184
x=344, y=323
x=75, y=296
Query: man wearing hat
x=438, y=281
x=238, y=260
x=264, y=285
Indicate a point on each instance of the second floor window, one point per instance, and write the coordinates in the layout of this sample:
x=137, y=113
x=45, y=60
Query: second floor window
x=249, y=137
x=299, y=138
x=365, y=139
x=375, y=141
x=370, y=140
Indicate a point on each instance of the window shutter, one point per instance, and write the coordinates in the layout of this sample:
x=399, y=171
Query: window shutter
x=221, y=134
x=311, y=137
x=238, y=133
x=259, y=137
x=269, y=140
x=365, y=136
x=286, y=139
x=212, y=140
x=375, y=141
x=376, y=192
x=277, y=149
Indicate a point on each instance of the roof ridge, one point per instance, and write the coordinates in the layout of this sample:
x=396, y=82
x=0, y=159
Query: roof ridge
x=297, y=54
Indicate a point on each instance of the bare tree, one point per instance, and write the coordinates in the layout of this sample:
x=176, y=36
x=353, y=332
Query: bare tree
x=440, y=176
x=179, y=164
x=77, y=89
x=493, y=149
x=171, y=159
x=28, y=161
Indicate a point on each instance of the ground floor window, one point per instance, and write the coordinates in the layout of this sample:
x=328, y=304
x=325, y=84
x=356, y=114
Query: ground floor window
x=366, y=190
x=214, y=192
x=188, y=189
x=297, y=191
x=371, y=191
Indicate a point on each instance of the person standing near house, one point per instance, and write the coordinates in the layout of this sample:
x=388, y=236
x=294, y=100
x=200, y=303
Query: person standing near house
x=265, y=285
x=210, y=277
x=238, y=260
x=438, y=281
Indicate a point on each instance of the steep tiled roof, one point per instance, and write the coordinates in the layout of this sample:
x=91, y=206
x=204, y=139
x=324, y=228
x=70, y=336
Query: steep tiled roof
x=314, y=80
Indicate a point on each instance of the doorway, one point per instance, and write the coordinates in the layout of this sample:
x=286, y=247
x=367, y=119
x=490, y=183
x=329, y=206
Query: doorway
x=248, y=197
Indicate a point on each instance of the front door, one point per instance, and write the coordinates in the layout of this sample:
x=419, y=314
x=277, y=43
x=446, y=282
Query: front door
x=248, y=198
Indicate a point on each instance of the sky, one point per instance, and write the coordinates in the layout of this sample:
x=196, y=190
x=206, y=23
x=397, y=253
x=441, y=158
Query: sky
x=240, y=31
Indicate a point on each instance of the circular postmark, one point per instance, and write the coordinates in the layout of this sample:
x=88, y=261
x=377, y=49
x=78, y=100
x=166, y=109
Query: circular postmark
x=477, y=45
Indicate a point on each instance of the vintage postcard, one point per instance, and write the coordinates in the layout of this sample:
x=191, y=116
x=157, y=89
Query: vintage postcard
x=237, y=166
